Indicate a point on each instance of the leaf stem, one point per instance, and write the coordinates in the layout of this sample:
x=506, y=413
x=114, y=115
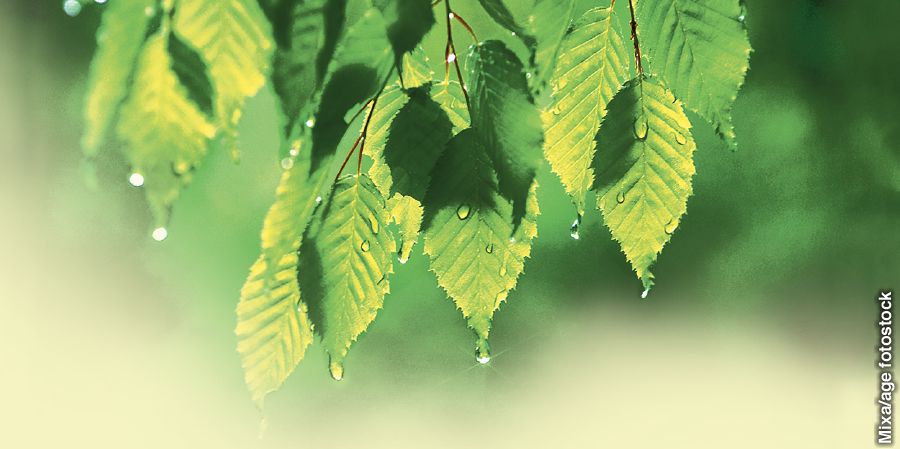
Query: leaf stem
x=361, y=139
x=450, y=50
x=634, y=38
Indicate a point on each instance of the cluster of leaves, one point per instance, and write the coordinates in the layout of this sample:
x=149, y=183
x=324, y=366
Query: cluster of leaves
x=600, y=97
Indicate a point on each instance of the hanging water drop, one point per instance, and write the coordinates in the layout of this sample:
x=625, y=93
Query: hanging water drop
x=489, y=248
x=71, y=7
x=295, y=149
x=311, y=122
x=336, y=369
x=641, y=128
x=620, y=198
x=463, y=211
x=364, y=246
x=287, y=163
x=645, y=293
x=136, y=179
x=680, y=138
x=574, y=230
x=402, y=256
x=482, y=352
x=451, y=57
x=671, y=226
x=160, y=234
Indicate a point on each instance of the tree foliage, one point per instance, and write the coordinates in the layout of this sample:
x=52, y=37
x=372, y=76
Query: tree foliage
x=448, y=157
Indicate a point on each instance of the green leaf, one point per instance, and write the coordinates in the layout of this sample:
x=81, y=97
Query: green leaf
x=234, y=39
x=593, y=65
x=273, y=327
x=504, y=17
x=300, y=35
x=389, y=104
x=119, y=40
x=407, y=213
x=166, y=135
x=449, y=95
x=506, y=119
x=416, y=69
x=476, y=251
x=408, y=22
x=192, y=74
x=360, y=67
x=418, y=134
x=700, y=49
x=346, y=261
x=548, y=22
x=644, y=170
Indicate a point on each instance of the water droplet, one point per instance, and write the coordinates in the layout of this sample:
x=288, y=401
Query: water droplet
x=160, y=234
x=463, y=211
x=311, y=122
x=451, y=16
x=742, y=17
x=489, y=248
x=182, y=167
x=641, y=128
x=528, y=75
x=263, y=428
x=287, y=163
x=402, y=256
x=512, y=33
x=336, y=369
x=671, y=226
x=318, y=200
x=645, y=293
x=295, y=149
x=512, y=240
x=574, y=230
x=72, y=7
x=136, y=179
x=364, y=246
x=482, y=352
x=149, y=11
x=451, y=57
x=620, y=198
x=680, y=138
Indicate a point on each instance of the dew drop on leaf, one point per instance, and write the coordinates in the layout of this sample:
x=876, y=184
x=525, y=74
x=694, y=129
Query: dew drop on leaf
x=463, y=211
x=641, y=128
x=645, y=293
x=136, y=179
x=364, y=246
x=482, y=352
x=574, y=230
x=679, y=138
x=318, y=200
x=336, y=369
x=72, y=7
x=287, y=163
x=620, y=198
x=310, y=123
x=489, y=248
x=160, y=234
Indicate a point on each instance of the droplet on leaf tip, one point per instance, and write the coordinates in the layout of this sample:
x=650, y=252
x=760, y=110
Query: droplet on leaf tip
x=136, y=179
x=337, y=370
x=364, y=246
x=72, y=7
x=160, y=234
x=482, y=352
x=645, y=293
x=641, y=128
x=287, y=163
x=463, y=211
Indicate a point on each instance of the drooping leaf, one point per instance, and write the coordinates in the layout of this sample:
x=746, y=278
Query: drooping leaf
x=361, y=64
x=166, y=135
x=506, y=119
x=235, y=40
x=345, y=265
x=418, y=135
x=300, y=35
x=273, y=327
x=408, y=21
x=644, y=168
x=416, y=69
x=476, y=251
x=700, y=49
x=591, y=69
x=119, y=40
x=449, y=95
x=501, y=14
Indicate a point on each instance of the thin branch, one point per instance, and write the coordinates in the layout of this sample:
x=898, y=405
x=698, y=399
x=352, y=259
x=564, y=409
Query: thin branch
x=450, y=51
x=361, y=140
x=634, y=38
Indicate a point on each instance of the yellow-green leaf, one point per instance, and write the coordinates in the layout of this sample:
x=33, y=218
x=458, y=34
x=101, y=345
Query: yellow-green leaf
x=592, y=66
x=644, y=169
x=345, y=264
x=119, y=40
x=700, y=49
x=469, y=236
x=234, y=38
x=166, y=135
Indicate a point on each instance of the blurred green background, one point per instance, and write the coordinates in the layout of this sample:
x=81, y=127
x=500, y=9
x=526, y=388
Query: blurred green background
x=760, y=330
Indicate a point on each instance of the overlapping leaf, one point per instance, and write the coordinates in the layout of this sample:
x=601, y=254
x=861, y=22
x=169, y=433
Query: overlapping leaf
x=701, y=50
x=506, y=119
x=593, y=65
x=476, y=251
x=234, y=38
x=273, y=327
x=119, y=40
x=346, y=261
x=644, y=169
x=166, y=134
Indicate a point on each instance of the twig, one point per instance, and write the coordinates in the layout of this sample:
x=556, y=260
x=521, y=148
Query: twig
x=634, y=38
x=450, y=51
